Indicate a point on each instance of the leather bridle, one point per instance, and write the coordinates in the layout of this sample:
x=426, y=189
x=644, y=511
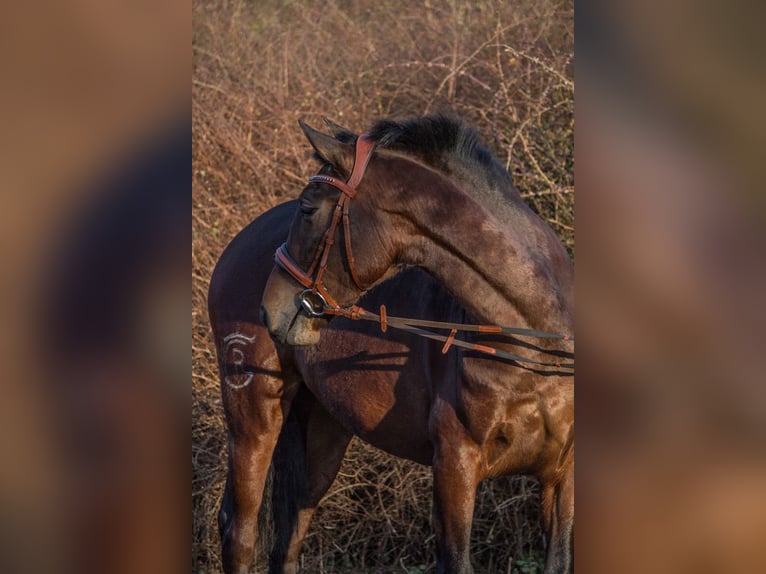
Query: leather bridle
x=316, y=300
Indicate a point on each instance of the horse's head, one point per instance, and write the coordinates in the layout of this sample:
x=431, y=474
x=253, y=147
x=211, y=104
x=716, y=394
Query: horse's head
x=341, y=241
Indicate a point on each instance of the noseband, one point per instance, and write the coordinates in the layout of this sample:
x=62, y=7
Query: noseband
x=316, y=300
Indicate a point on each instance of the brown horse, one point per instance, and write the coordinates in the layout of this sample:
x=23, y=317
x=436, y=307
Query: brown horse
x=430, y=197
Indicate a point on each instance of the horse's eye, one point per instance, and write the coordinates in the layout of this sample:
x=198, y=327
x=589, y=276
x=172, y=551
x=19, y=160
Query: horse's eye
x=307, y=209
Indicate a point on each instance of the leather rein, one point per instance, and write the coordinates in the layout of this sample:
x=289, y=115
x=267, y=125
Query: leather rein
x=318, y=302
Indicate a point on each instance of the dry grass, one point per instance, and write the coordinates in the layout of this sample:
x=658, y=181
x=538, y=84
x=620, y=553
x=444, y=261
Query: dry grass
x=506, y=69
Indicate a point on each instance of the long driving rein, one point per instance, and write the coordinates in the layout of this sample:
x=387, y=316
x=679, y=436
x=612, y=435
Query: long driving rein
x=317, y=301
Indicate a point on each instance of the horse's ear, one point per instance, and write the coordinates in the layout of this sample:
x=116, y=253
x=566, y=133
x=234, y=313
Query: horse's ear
x=337, y=130
x=338, y=154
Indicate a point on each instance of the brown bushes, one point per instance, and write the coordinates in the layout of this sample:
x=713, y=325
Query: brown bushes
x=258, y=67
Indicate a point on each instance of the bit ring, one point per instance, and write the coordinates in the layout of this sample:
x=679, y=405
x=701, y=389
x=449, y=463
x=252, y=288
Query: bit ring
x=313, y=303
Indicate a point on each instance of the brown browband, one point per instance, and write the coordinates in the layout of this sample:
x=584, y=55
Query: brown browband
x=335, y=182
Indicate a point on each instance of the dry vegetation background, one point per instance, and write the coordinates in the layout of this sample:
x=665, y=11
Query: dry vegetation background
x=507, y=69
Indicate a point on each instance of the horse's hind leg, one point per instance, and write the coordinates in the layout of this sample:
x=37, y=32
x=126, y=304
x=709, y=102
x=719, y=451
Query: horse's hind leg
x=238, y=516
x=312, y=446
x=255, y=396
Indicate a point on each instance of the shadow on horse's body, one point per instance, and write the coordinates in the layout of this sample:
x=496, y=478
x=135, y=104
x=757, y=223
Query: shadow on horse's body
x=468, y=416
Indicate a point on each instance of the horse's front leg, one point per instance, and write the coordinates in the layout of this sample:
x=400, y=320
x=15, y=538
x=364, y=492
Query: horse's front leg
x=456, y=471
x=558, y=509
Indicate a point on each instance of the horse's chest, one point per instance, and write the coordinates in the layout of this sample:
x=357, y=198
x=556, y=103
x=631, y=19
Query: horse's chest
x=378, y=396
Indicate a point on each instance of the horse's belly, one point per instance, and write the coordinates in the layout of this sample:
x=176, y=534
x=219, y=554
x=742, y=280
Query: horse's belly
x=376, y=388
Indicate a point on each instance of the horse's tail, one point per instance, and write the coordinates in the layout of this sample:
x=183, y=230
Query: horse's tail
x=286, y=486
x=265, y=521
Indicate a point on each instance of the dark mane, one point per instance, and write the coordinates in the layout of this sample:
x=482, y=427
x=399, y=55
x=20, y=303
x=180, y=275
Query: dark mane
x=434, y=139
x=446, y=144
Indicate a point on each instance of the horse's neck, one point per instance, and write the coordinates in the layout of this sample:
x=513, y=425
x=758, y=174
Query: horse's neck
x=500, y=261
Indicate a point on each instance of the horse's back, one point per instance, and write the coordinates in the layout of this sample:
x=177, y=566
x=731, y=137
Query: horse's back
x=239, y=277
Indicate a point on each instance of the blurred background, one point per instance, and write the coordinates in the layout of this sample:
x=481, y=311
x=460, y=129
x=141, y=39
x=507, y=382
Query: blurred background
x=671, y=395
x=94, y=252
x=505, y=68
